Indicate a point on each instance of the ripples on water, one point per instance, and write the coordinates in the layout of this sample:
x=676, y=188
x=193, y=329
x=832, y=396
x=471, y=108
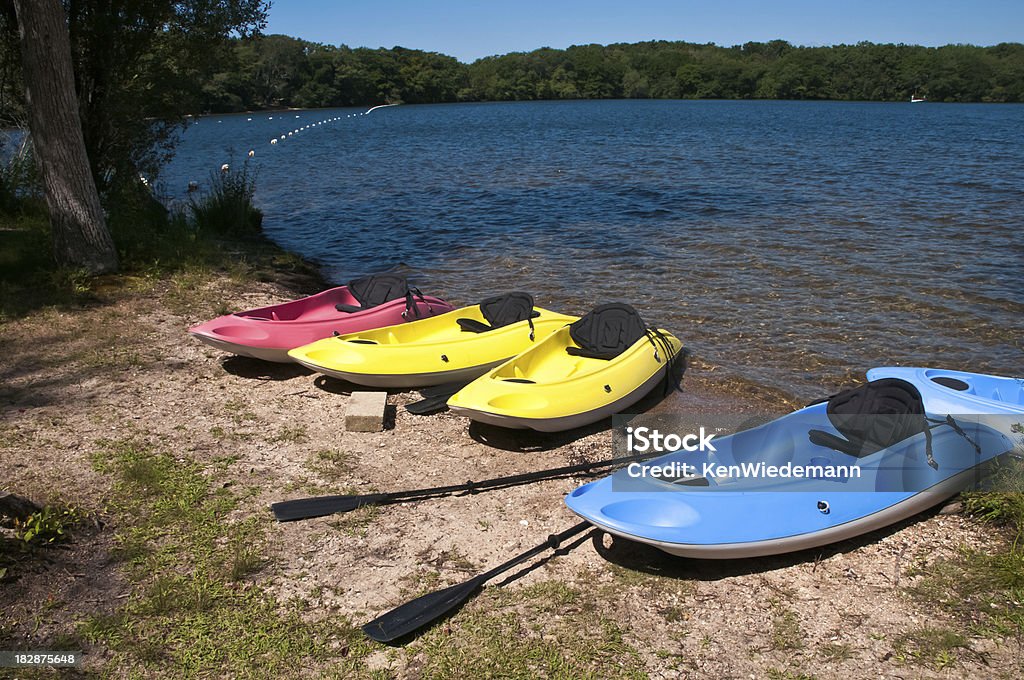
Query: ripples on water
x=795, y=244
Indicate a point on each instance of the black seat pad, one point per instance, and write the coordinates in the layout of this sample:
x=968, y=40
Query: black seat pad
x=375, y=289
x=873, y=417
x=607, y=331
x=501, y=310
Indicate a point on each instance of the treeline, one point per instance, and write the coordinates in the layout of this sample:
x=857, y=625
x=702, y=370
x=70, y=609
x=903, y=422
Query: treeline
x=276, y=70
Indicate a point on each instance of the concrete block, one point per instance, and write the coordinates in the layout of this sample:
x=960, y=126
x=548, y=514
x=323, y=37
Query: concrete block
x=364, y=411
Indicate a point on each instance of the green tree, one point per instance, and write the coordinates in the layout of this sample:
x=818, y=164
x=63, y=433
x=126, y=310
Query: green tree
x=319, y=88
x=80, y=234
x=309, y=74
x=277, y=67
x=140, y=66
x=635, y=85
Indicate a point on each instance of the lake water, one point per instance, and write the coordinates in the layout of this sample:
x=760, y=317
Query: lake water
x=793, y=244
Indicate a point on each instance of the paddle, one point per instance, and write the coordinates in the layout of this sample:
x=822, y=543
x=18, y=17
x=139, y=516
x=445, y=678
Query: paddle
x=306, y=508
x=435, y=398
x=430, y=405
x=449, y=388
x=428, y=608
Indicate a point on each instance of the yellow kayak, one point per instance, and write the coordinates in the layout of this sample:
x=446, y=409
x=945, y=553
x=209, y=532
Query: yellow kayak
x=456, y=346
x=600, y=365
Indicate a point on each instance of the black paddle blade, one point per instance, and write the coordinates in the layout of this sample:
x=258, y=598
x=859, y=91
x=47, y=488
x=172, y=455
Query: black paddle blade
x=423, y=610
x=429, y=406
x=306, y=508
x=447, y=389
x=435, y=398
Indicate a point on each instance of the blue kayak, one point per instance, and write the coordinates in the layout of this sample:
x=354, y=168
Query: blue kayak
x=825, y=473
x=958, y=391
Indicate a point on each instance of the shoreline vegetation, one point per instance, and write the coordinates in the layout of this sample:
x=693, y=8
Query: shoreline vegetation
x=277, y=71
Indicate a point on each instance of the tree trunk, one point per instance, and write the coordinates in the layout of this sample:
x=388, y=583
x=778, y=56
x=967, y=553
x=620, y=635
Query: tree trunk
x=80, y=235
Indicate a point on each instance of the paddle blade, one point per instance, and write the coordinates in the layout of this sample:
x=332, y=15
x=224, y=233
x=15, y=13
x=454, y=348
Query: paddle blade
x=429, y=406
x=447, y=389
x=422, y=611
x=306, y=508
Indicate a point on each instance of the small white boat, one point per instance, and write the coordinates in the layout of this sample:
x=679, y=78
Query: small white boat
x=914, y=99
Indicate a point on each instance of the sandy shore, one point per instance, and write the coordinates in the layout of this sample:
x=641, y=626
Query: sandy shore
x=77, y=383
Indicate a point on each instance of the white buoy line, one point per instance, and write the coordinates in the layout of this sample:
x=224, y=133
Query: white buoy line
x=334, y=119
x=225, y=168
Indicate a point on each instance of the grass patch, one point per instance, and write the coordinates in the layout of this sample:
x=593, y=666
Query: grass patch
x=331, y=465
x=239, y=412
x=998, y=507
x=246, y=560
x=28, y=276
x=419, y=583
x=493, y=640
x=783, y=674
x=1003, y=503
x=218, y=432
x=786, y=633
x=984, y=589
x=451, y=559
x=358, y=522
x=193, y=608
x=835, y=653
x=550, y=595
x=938, y=648
x=292, y=434
x=674, y=613
x=227, y=207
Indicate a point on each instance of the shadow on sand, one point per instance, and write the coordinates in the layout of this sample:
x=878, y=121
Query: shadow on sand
x=257, y=369
x=647, y=559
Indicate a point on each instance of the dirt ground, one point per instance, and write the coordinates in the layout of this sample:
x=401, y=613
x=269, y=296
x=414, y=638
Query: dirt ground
x=126, y=370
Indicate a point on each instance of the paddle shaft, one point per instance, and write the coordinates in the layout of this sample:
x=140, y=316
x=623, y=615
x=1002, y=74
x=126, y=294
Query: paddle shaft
x=553, y=543
x=512, y=480
x=305, y=508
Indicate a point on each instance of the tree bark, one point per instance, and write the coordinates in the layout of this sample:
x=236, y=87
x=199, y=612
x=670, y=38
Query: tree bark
x=80, y=235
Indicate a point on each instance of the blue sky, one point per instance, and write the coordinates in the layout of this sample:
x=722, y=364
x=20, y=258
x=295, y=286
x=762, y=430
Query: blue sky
x=469, y=30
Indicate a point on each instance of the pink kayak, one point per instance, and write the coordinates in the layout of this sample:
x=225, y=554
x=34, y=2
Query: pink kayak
x=269, y=332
